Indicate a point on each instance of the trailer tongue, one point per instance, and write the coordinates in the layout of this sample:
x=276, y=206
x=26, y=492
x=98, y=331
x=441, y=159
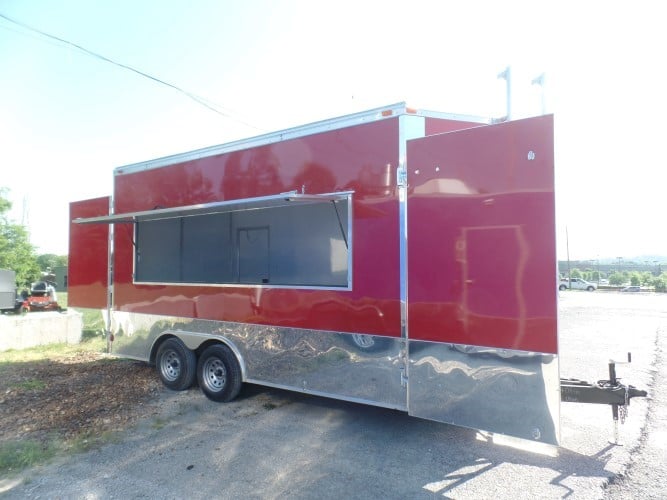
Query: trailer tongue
x=606, y=392
x=396, y=257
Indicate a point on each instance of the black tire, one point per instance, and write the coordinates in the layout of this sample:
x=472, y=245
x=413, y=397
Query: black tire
x=176, y=364
x=562, y=287
x=219, y=373
x=590, y=288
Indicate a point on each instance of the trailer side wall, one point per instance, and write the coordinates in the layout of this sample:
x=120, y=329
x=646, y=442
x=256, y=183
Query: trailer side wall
x=361, y=158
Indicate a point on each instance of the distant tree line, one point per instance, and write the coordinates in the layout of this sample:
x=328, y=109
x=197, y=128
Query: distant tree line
x=618, y=278
x=16, y=252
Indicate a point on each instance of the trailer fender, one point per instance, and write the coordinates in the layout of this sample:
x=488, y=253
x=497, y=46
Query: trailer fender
x=198, y=342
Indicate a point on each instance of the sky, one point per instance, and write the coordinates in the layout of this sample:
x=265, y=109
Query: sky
x=67, y=119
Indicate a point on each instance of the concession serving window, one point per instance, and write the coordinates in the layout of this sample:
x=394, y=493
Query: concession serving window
x=290, y=239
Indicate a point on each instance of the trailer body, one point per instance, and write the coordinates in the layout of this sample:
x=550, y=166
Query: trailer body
x=395, y=257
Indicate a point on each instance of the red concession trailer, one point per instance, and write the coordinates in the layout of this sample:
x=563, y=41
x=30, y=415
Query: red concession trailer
x=396, y=257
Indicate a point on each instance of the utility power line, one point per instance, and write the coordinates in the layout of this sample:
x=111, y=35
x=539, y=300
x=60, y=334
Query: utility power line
x=198, y=99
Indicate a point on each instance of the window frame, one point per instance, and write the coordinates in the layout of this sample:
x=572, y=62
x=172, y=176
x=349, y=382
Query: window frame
x=268, y=203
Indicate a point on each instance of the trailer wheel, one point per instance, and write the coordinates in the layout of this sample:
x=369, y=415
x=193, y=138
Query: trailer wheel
x=176, y=364
x=219, y=373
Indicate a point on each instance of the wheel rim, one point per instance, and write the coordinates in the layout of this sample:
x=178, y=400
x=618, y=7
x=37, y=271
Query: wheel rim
x=364, y=341
x=170, y=365
x=214, y=374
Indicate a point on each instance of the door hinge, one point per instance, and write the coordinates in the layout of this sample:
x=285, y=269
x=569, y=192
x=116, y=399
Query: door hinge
x=401, y=177
x=404, y=378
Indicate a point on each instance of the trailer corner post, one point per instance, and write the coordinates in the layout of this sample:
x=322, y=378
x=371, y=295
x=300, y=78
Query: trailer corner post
x=410, y=127
x=108, y=332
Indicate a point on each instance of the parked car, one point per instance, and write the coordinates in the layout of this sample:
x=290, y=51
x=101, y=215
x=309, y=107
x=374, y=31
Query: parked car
x=631, y=289
x=577, y=284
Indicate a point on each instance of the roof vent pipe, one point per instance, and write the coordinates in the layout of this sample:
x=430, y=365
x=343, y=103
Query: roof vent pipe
x=506, y=75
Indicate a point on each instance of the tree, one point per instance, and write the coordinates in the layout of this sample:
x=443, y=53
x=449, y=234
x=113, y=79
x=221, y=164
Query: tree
x=51, y=260
x=616, y=279
x=16, y=252
x=660, y=283
x=635, y=279
x=575, y=273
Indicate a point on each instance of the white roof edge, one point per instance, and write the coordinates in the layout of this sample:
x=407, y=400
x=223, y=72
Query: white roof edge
x=455, y=116
x=376, y=114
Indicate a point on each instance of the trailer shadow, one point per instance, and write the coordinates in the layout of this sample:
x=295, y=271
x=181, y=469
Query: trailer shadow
x=271, y=443
x=456, y=455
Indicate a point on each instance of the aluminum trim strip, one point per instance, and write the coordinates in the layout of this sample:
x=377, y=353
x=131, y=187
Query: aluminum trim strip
x=273, y=201
x=248, y=285
x=411, y=127
x=110, y=283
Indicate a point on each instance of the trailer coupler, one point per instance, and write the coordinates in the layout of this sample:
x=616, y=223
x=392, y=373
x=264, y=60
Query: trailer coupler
x=607, y=392
x=603, y=392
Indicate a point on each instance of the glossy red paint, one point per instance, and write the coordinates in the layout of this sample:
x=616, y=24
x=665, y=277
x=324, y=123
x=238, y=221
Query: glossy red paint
x=88, y=255
x=481, y=238
x=362, y=158
x=435, y=126
x=481, y=246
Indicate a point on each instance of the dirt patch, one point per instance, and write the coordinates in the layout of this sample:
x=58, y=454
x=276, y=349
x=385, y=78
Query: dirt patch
x=86, y=395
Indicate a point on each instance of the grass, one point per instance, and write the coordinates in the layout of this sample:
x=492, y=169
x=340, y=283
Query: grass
x=50, y=351
x=31, y=385
x=18, y=455
x=158, y=423
x=93, y=323
x=87, y=441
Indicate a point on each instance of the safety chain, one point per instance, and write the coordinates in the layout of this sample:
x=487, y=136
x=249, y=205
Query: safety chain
x=623, y=410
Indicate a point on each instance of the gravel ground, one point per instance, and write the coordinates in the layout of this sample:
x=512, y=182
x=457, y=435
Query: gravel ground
x=646, y=474
x=276, y=444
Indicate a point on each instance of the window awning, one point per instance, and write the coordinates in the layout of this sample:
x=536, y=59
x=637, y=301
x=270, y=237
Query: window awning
x=273, y=201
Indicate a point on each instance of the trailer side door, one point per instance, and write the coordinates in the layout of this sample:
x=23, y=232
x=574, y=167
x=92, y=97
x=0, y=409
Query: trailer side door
x=482, y=293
